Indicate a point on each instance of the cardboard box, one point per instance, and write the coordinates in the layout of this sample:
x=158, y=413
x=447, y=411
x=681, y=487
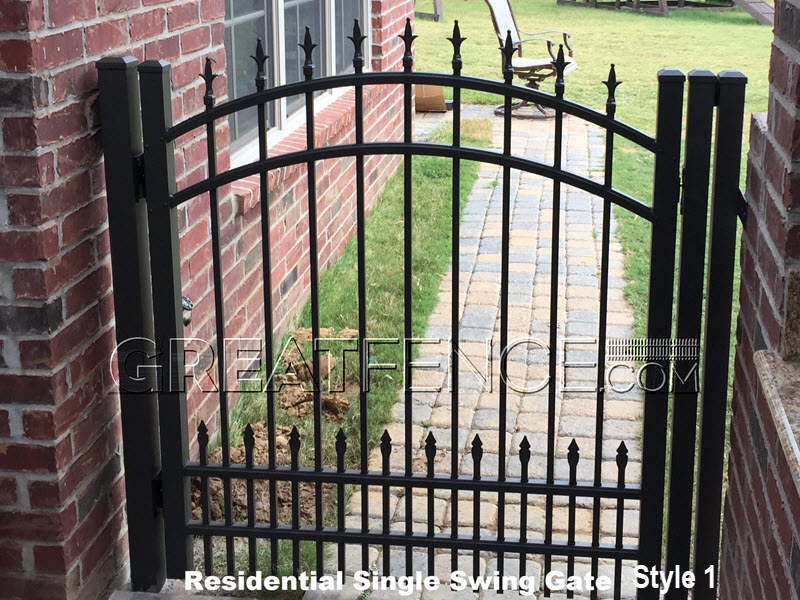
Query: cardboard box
x=429, y=98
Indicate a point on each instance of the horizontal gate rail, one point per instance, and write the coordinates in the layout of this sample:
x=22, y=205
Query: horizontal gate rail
x=416, y=77
x=509, y=485
x=415, y=539
x=419, y=148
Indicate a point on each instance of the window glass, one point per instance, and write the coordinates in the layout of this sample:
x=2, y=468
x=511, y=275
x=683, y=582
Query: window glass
x=346, y=12
x=297, y=15
x=245, y=22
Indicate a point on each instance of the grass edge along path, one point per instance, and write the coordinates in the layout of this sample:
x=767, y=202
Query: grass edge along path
x=338, y=308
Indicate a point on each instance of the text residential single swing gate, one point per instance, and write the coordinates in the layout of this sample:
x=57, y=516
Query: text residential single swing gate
x=143, y=199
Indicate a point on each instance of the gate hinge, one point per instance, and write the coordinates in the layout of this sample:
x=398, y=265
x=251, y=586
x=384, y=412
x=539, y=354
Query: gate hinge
x=158, y=489
x=741, y=207
x=138, y=177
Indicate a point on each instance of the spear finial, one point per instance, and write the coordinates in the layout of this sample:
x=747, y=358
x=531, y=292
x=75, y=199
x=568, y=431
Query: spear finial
x=261, y=58
x=457, y=40
x=308, y=47
x=358, y=39
x=508, y=49
x=560, y=64
x=208, y=76
x=612, y=84
x=408, y=38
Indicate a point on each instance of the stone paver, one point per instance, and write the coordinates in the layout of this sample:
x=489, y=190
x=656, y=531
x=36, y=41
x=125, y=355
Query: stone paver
x=579, y=252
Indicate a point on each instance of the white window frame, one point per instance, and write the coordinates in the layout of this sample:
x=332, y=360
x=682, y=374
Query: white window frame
x=285, y=123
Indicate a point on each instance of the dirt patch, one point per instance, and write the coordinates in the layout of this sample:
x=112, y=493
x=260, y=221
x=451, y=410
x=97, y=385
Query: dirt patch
x=216, y=495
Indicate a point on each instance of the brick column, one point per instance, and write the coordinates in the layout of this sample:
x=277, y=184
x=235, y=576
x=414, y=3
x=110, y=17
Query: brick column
x=62, y=523
x=761, y=530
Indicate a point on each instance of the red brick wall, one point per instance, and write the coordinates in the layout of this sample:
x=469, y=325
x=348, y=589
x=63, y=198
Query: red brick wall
x=761, y=546
x=62, y=522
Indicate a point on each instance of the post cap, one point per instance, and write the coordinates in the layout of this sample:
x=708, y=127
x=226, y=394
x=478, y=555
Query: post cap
x=732, y=77
x=154, y=66
x=702, y=76
x=116, y=63
x=671, y=75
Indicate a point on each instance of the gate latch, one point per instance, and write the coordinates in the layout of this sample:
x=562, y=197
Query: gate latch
x=683, y=188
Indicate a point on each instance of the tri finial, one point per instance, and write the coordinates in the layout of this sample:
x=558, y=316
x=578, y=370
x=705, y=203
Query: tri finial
x=612, y=84
x=508, y=49
x=358, y=40
x=308, y=47
x=208, y=76
x=457, y=40
x=560, y=63
x=408, y=38
x=261, y=59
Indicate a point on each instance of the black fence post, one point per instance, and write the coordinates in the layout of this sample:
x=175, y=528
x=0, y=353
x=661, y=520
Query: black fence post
x=130, y=268
x=694, y=218
x=719, y=301
x=666, y=194
x=159, y=167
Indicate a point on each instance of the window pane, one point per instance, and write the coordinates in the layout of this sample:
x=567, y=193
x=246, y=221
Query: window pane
x=245, y=22
x=346, y=12
x=299, y=14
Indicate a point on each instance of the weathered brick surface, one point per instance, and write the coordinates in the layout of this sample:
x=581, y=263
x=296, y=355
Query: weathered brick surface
x=62, y=526
x=761, y=545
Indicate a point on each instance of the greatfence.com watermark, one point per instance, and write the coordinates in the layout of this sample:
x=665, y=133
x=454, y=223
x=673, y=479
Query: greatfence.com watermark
x=406, y=585
x=651, y=365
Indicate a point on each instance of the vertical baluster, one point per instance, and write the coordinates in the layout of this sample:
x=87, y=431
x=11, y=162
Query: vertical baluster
x=611, y=106
x=386, y=452
x=341, y=507
x=622, y=462
x=260, y=59
x=508, y=76
x=358, y=65
x=294, y=452
x=524, y=461
x=559, y=64
x=308, y=72
x=430, y=455
x=573, y=456
x=202, y=442
x=477, y=455
x=408, y=61
x=209, y=100
x=457, y=62
x=249, y=444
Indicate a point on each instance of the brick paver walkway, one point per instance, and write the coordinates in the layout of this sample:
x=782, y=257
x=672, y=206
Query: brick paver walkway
x=579, y=255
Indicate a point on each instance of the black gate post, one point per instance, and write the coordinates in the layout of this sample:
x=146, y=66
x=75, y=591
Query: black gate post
x=666, y=194
x=716, y=342
x=130, y=268
x=159, y=167
x=694, y=218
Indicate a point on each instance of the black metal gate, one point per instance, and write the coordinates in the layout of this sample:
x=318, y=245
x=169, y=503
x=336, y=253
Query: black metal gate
x=147, y=285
